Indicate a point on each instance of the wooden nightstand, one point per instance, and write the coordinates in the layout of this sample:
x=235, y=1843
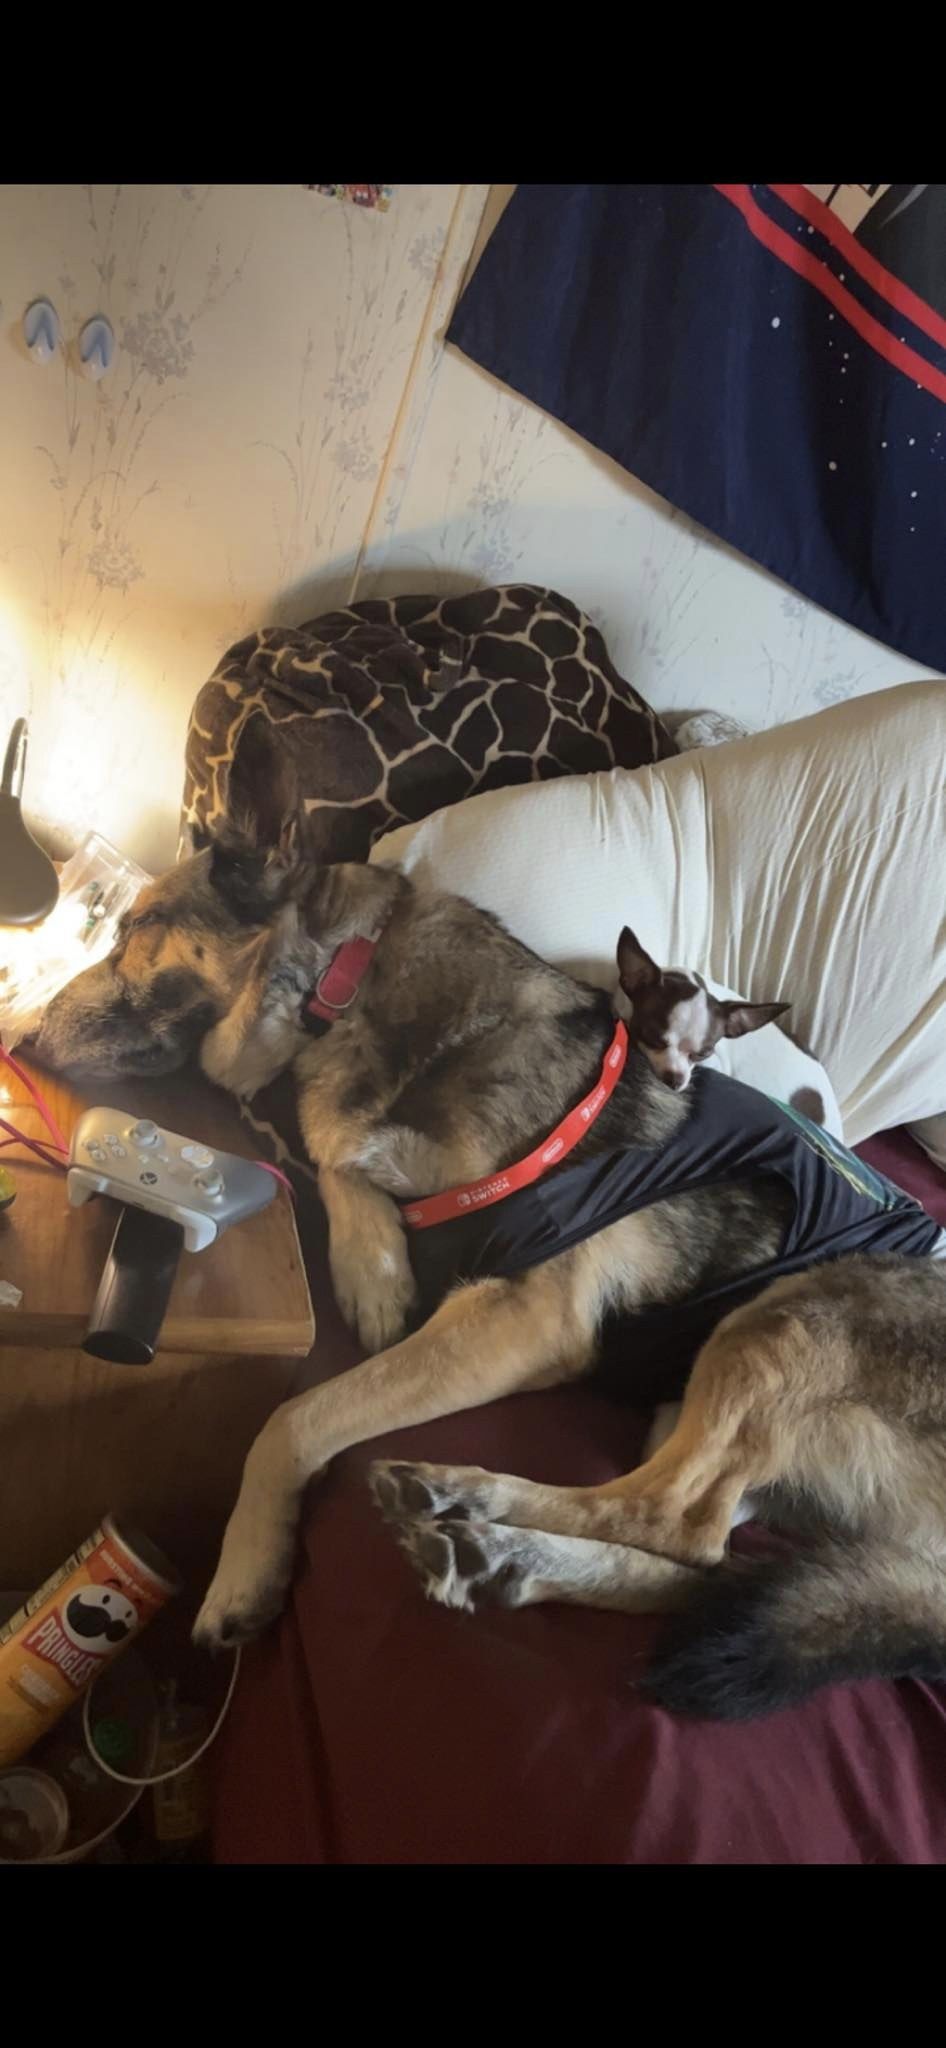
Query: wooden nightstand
x=162, y=1443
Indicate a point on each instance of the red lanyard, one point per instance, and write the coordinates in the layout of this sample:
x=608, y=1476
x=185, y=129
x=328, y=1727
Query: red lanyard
x=479, y=1194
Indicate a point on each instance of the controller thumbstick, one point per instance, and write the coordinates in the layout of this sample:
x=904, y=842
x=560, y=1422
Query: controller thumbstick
x=144, y=1133
x=210, y=1183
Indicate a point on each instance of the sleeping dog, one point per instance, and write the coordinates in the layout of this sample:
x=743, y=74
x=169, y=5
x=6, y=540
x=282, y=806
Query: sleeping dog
x=436, y=1061
x=677, y=1023
x=674, y=1020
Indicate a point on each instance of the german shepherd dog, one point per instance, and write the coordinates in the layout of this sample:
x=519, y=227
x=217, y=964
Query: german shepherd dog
x=824, y=1398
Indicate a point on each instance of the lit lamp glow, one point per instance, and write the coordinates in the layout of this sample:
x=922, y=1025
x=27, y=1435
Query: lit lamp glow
x=49, y=931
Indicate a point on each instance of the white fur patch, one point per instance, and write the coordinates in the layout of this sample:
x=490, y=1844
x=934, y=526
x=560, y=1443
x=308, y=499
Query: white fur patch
x=687, y=1029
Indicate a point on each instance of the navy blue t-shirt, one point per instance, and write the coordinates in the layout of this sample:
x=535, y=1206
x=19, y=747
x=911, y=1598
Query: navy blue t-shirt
x=839, y=1206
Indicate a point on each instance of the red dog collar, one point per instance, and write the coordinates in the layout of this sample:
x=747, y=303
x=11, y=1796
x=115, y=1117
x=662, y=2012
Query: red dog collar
x=479, y=1194
x=338, y=983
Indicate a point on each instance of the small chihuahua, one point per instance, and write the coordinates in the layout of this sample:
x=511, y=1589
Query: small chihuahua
x=674, y=1020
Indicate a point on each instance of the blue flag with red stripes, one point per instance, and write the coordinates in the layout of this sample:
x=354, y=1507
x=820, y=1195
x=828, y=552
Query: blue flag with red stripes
x=770, y=358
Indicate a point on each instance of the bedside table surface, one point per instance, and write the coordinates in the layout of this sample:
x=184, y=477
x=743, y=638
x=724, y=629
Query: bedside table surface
x=246, y=1293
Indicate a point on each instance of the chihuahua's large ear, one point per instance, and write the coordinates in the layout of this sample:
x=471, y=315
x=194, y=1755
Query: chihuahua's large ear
x=738, y=1018
x=635, y=967
x=252, y=879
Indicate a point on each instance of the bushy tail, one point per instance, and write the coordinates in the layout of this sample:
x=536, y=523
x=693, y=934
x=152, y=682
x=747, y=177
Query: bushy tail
x=762, y=1637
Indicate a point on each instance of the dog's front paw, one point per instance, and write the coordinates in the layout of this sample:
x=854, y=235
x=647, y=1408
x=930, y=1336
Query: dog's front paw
x=249, y=1587
x=237, y=1610
x=375, y=1294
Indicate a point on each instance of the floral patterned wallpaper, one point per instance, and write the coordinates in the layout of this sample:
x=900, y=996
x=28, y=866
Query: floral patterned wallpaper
x=221, y=475
x=281, y=429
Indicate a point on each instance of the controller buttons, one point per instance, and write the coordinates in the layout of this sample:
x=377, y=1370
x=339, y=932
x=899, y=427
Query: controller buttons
x=197, y=1155
x=95, y=1152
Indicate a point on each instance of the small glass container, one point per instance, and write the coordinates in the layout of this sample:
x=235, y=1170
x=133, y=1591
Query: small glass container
x=34, y=1815
x=96, y=886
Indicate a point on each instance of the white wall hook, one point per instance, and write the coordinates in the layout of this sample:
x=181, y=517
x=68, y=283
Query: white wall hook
x=96, y=349
x=41, y=330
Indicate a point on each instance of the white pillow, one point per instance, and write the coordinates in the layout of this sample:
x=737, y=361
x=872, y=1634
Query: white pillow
x=930, y=1132
x=804, y=865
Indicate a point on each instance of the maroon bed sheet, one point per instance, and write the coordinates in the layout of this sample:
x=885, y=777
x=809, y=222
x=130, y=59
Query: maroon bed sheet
x=371, y=1727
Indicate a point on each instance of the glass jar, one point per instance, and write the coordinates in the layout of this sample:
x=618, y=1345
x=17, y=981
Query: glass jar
x=96, y=886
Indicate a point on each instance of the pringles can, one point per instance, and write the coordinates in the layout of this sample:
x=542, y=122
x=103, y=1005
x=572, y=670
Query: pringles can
x=84, y=1615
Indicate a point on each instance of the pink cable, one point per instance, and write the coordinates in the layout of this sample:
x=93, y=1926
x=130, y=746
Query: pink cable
x=277, y=1174
x=43, y=1107
x=59, y=1144
x=44, y=1144
x=38, y=1145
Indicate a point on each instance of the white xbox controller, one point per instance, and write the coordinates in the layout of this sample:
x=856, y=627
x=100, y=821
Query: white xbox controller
x=149, y=1168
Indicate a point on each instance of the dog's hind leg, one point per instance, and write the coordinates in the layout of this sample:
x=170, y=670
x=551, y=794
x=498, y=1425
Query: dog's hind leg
x=734, y=1433
x=492, y=1338
x=474, y=1564
x=665, y=1421
x=681, y=1502
x=827, y=1390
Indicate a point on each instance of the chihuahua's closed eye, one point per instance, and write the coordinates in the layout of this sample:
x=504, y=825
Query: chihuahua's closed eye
x=674, y=1021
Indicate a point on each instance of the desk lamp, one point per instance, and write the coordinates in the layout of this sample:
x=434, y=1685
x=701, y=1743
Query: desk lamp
x=29, y=885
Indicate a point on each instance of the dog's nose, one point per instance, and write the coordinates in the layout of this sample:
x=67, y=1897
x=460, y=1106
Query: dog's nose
x=678, y=1082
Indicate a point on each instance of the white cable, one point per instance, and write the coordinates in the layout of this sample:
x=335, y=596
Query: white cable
x=175, y=1772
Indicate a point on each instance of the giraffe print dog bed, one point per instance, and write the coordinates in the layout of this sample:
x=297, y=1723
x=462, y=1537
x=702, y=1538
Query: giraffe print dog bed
x=376, y=716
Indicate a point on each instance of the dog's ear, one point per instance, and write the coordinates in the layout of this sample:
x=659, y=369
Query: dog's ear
x=263, y=792
x=738, y=1018
x=635, y=967
x=253, y=880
